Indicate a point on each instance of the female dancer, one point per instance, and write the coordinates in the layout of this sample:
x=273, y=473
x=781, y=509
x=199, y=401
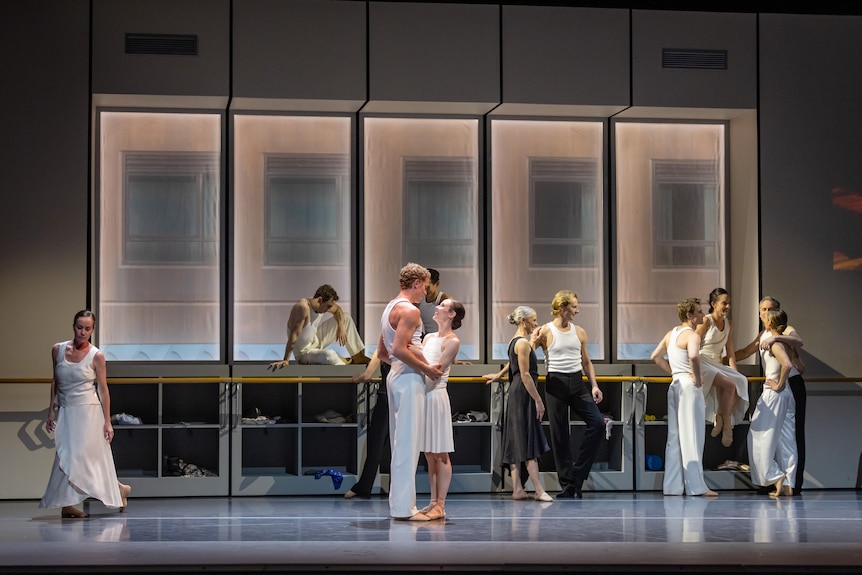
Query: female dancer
x=523, y=438
x=726, y=389
x=440, y=347
x=772, y=435
x=83, y=463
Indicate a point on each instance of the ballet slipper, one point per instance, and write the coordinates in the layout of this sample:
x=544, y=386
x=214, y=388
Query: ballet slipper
x=717, y=426
x=543, y=497
x=437, y=512
x=428, y=507
x=521, y=495
x=418, y=517
x=709, y=493
x=124, y=493
x=72, y=513
x=727, y=434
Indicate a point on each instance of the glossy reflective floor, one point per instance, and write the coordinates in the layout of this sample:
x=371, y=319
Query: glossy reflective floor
x=820, y=531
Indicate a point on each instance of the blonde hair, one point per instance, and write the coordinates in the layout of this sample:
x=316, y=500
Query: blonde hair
x=519, y=313
x=687, y=306
x=776, y=318
x=412, y=272
x=561, y=299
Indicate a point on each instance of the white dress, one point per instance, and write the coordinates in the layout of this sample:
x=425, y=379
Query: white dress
x=772, y=448
x=683, y=467
x=83, y=463
x=712, y=346
x=438, y=411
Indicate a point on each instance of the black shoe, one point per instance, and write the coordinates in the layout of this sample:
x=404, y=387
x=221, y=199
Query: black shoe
x=570, y=492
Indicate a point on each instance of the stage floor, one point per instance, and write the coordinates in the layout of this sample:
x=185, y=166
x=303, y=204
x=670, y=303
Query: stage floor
x=820, y=531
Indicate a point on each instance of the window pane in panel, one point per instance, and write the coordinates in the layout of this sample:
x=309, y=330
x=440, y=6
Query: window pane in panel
x=292, y=191
x=670, y=225
x=159, y=263
x=547, y=223
x=421, y=199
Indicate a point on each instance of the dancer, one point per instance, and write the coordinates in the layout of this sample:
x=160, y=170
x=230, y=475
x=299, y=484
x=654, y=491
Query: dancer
x=567, y=360
x=793, y=342
x=683, y=472
x=400, y=345
x=440, y=348
x=725, y=389
x=309, y=338
x=772, y=434
x=523, y=438
x=428, y=304
x=83, y=463
x=377, y=435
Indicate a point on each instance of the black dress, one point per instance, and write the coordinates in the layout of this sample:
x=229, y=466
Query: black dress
x=523, y=437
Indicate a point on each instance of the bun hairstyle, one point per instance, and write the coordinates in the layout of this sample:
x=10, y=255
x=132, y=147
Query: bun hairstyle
x=84, y=313
x=777, y=319
x=714, y=295
x=520, y=313
x=458, y=308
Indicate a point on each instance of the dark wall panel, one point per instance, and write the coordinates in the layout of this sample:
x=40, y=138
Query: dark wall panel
x=810, y=126
x=44, y=113
x=428, y=52
x=657, y=86
x=206, y=74
x=565, y=56
x=300, y=49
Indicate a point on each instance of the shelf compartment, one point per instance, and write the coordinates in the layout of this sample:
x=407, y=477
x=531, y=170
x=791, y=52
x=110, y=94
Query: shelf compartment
x=270, y=450
x=198, y=446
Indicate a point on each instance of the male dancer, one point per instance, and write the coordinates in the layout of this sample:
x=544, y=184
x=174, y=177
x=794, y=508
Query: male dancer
x=401, y=346
x=567, y=359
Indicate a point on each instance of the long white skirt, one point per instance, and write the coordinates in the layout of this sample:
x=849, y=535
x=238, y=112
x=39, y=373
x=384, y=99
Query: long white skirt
x=772, y=451
x=438, y=422
x=83, y=464
x=709, y=368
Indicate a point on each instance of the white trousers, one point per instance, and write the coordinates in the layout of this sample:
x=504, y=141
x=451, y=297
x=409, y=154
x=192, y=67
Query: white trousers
x=683, y=463
x=772, y=450
x=406, y=425
x=322, y=335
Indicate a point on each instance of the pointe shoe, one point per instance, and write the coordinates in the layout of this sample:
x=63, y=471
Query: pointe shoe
x=717, y=427
x=428, y=507
x=124, y=493
x=72, y=513
x=727, y=434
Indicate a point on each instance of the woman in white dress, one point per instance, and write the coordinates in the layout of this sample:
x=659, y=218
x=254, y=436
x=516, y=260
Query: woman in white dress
x=724, y=388
x=83, y=463
x=772, y=434
x=440, y=348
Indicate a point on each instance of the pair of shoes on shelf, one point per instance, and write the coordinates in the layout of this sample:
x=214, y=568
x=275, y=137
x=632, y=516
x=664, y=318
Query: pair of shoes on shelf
x=73, y=513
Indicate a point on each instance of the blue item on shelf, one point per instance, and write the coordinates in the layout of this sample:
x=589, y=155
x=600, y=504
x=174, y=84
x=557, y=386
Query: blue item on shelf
x=337, y=478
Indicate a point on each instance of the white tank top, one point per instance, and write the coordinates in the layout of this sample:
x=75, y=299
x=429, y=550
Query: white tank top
x=433, y=350
x=676, y=357
x=564, y=353
x=398, y=366
x=771, y=366
x=714, y=340
x=76, y=382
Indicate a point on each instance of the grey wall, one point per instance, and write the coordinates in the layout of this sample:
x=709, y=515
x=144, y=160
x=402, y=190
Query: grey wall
x=810, y=130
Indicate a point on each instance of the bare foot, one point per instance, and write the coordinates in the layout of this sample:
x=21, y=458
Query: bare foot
x=779, y=486
x=521, y=495
x=709, y=493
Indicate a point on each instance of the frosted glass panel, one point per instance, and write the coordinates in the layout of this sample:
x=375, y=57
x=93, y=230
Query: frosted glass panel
x=670, y=191
x=159, y=271
x=292, y=192
x=547, y=230
x=421, y=204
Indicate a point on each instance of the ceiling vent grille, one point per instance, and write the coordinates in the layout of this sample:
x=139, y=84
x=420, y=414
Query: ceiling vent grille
x=694, y=59
x=163, y=44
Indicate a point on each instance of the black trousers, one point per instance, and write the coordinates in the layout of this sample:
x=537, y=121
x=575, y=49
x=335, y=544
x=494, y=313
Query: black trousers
x=564, y=391
x=797, y=387
x=376, y=438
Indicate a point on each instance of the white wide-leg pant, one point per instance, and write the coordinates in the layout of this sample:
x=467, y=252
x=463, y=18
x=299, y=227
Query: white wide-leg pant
x=406, y=436
x=772, y=451
x=683, y=464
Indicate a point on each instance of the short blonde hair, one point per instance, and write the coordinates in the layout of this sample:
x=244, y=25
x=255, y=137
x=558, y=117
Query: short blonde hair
x=412, y=272
x=561, y=299
x=687, y=306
